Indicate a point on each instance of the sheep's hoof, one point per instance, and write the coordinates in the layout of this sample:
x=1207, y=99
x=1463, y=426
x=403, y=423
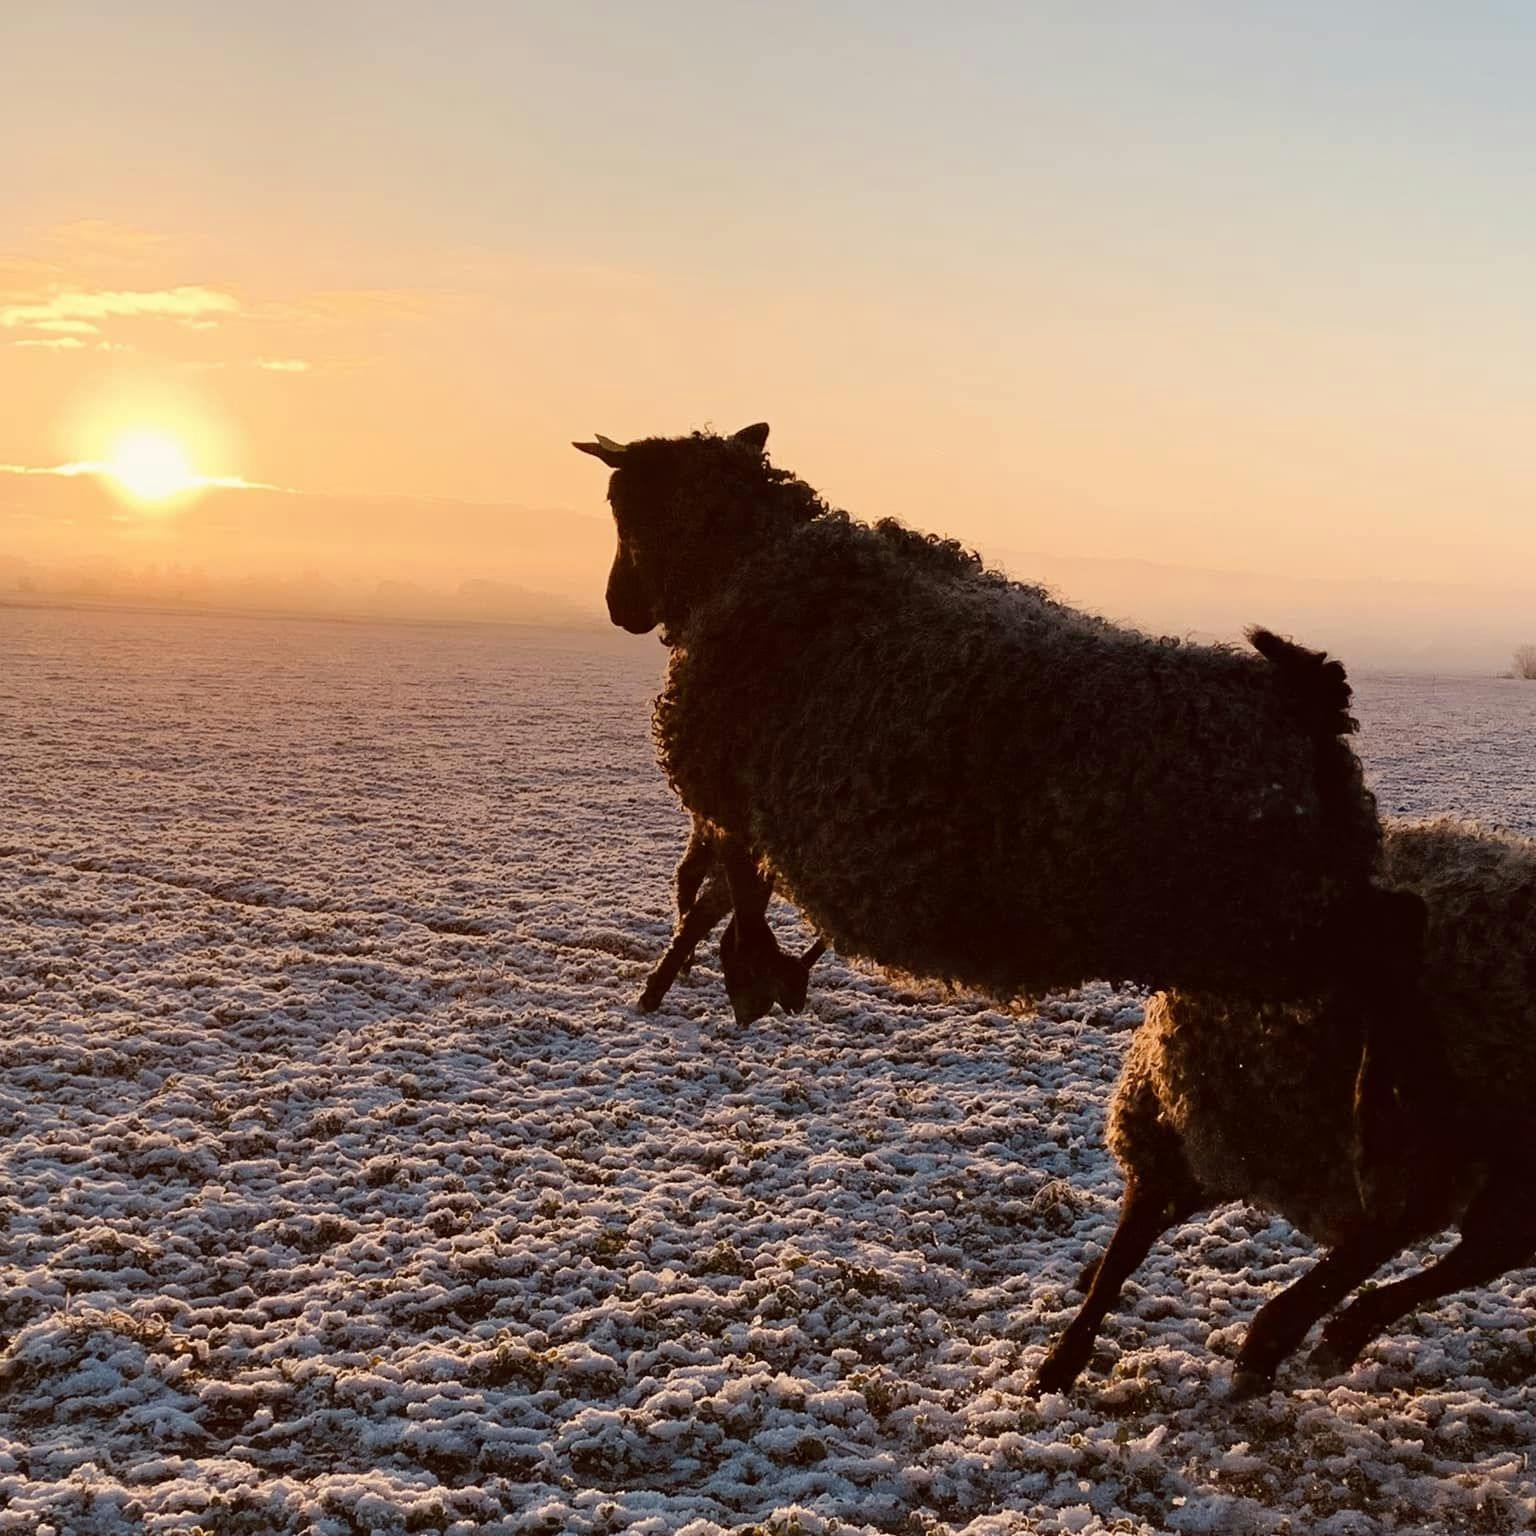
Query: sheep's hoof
x=759, y=974
x=1248, y=1384
x=747, y=961
x=752, y=1001
x=1057, y=1374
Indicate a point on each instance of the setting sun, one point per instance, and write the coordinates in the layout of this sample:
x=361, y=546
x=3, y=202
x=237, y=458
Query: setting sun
x=151, y=466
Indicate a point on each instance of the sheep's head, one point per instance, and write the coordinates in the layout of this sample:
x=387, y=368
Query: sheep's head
x=688, y=510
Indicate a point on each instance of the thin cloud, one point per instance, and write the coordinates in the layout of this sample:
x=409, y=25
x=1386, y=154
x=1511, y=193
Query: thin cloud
x=284, y=364
x=101, y=468
x=71, y=344
x=56, y=469
x=188, y=302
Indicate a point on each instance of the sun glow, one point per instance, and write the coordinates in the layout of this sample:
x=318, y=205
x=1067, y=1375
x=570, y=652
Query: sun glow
x=151, y=466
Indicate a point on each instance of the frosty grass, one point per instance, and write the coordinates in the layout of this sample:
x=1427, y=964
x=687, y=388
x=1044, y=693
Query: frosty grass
x=342, y=1189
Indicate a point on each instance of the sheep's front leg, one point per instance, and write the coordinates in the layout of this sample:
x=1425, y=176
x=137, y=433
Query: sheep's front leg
x=710, y=903
x=758, y=973
x=703, y=898
x=698, y=866
x=1145, y=1214
x=1498, y=1233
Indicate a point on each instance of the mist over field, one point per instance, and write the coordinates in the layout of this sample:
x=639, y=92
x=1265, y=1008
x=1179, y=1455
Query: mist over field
x=267, y=550
x=279, y=551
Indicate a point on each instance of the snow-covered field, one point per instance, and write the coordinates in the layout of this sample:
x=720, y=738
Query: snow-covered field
x=341, y=1189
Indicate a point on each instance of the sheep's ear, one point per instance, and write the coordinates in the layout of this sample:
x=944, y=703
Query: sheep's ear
x=755, y=436
x=610, y=452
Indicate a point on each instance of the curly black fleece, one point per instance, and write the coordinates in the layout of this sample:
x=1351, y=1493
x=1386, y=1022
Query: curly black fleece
x=957, y=776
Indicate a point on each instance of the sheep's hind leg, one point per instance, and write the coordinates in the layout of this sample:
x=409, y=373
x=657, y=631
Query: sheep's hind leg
x=1145, y=1214
x=1284, y=1321
x=1498, y=1233
x=698, y=863
x=1398, y=1088
x=758, y=973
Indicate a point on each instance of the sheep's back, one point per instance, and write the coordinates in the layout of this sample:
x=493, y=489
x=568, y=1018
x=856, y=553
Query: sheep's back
x=960, y=778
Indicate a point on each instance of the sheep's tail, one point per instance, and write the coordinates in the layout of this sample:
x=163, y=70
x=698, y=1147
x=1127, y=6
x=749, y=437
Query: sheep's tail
x=1317, y=684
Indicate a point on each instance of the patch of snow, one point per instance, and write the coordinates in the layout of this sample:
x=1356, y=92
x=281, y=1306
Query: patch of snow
x=342, y=1189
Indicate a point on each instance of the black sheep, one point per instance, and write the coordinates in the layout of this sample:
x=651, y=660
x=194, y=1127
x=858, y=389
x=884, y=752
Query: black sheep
x=1221, y=1100
x=955, y=775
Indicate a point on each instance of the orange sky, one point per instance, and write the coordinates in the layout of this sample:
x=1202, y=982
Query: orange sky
x=1214, y=295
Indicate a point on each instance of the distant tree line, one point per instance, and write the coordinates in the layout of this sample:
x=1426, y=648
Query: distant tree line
x=1525, y=662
